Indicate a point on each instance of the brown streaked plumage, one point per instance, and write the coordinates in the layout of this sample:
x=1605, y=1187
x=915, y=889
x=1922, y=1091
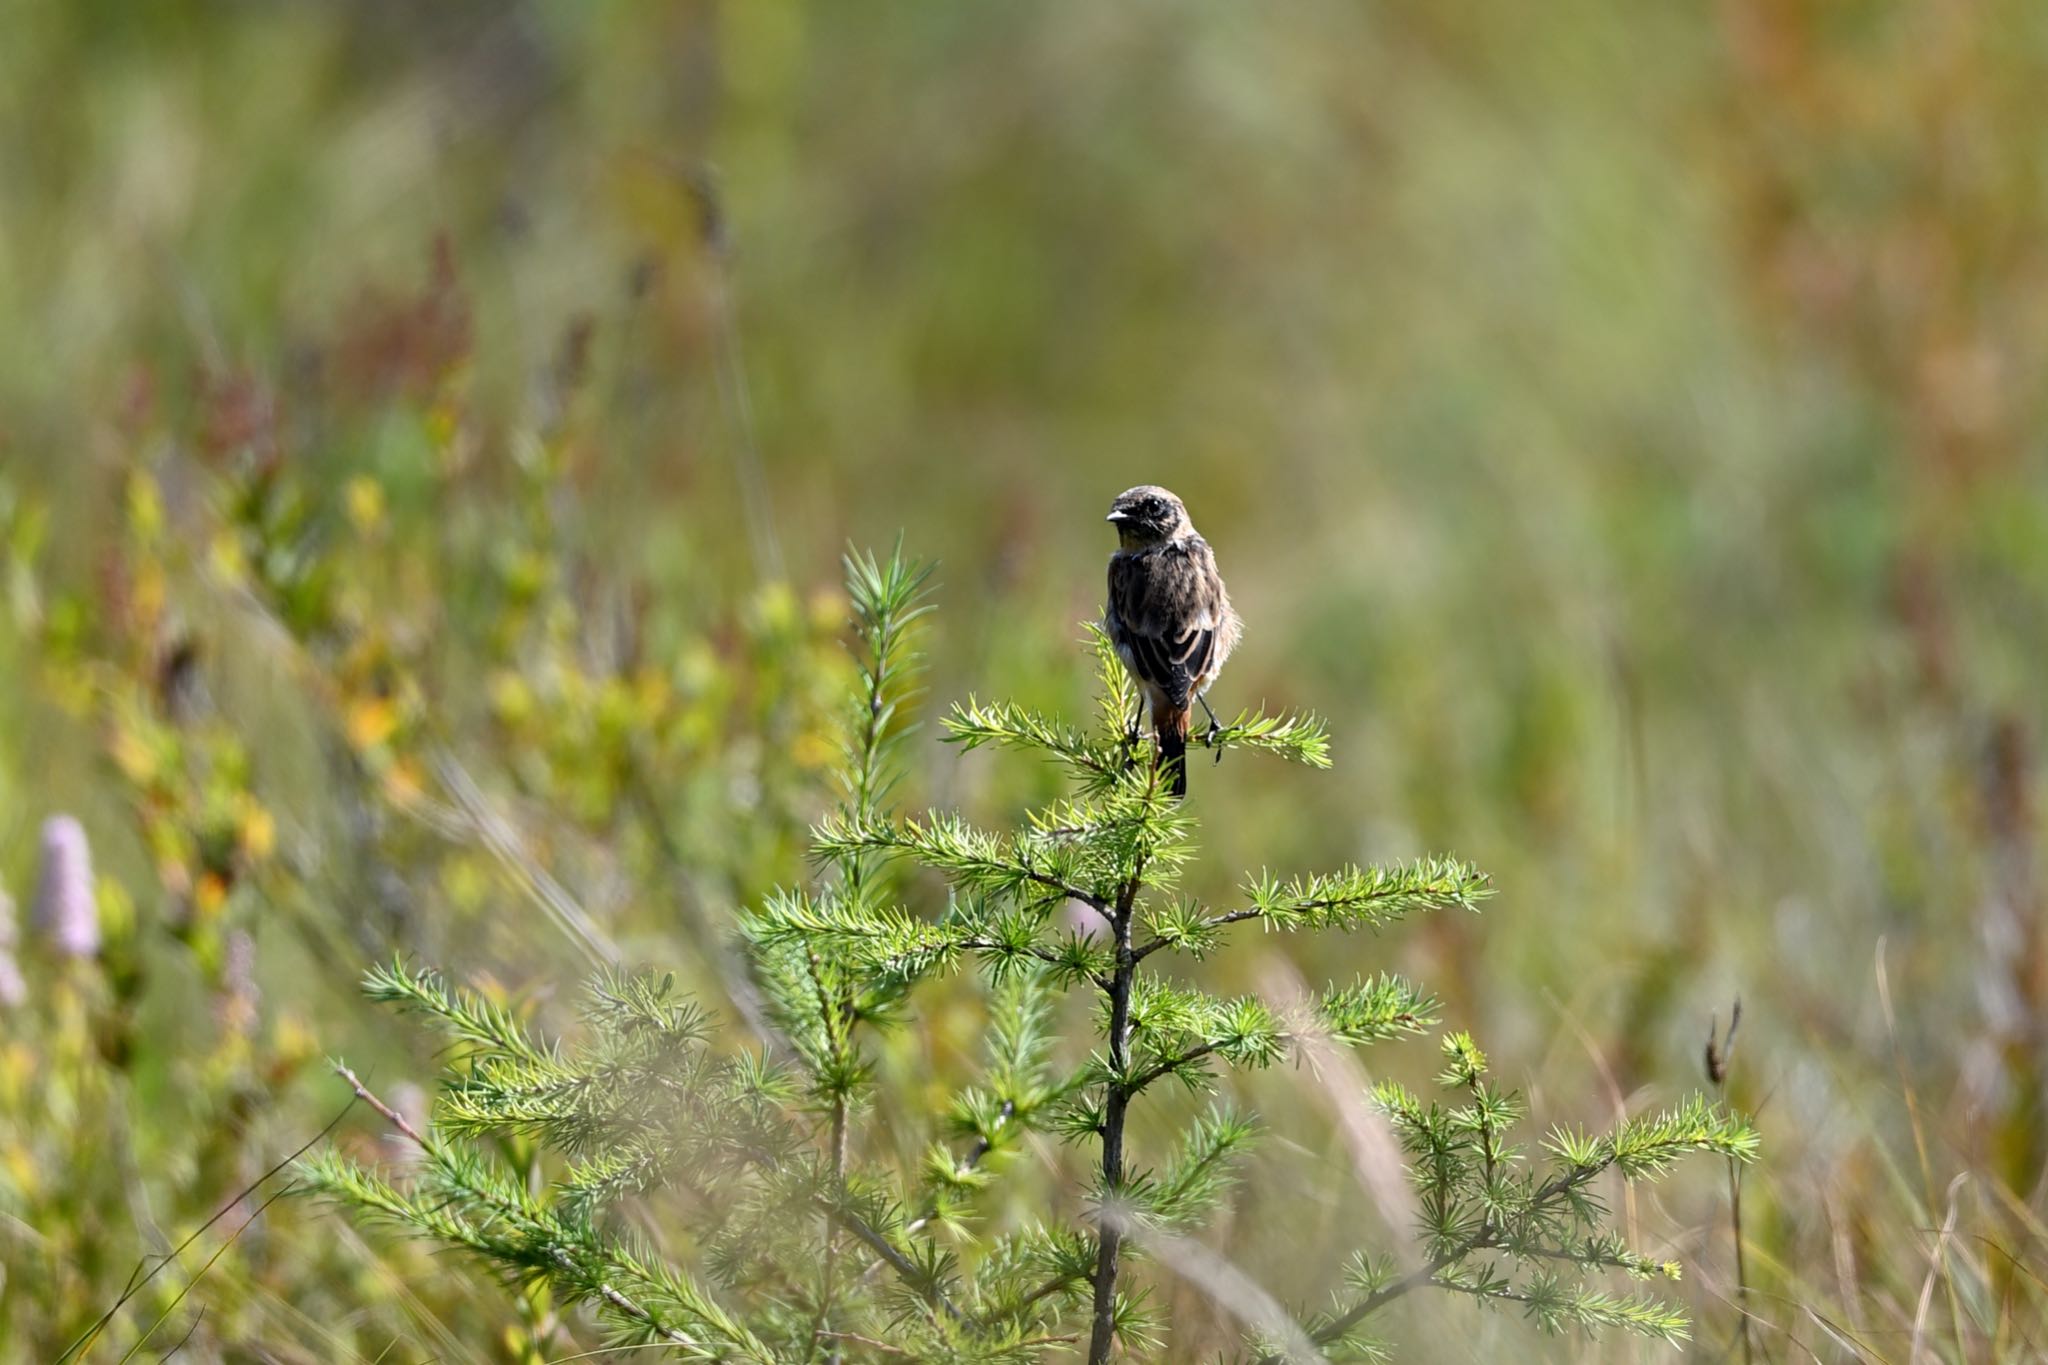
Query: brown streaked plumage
x=1168, y=614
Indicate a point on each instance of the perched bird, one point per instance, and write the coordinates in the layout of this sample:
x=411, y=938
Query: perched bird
x=1168, y=615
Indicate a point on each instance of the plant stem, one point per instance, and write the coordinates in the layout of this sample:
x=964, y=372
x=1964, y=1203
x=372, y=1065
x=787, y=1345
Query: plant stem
x=1425, y=1275
x=1110, y=1232
x=604, y=1289
x=1487, y=1143
x=1378, y=1299
x=1720, y=1053
x=1741, y=1270
x=839, y=1046
x=824, y=1318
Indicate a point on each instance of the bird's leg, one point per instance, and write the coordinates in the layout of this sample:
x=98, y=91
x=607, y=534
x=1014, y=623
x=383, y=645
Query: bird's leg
x=1215, y=727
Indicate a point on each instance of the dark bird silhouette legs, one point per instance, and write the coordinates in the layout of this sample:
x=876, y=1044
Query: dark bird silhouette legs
x=1215, y=727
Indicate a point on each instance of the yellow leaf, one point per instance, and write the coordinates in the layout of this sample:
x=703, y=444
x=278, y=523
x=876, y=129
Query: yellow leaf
x=258, y=830
x=291, y=1039
x=371, y=721
x=133, y=756
x=17, y=1069
x=365, y=497
x=511, y=698
x=145, y=506
x=230, y=565
x=21, y=1169
x=210, y=895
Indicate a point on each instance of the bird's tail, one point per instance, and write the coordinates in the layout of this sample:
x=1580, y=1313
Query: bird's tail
x=1172, y=724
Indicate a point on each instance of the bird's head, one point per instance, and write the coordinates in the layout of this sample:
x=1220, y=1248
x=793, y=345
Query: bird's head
x=1147, y=515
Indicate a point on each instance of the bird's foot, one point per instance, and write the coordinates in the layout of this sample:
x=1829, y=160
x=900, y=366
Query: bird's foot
x=1214, y=736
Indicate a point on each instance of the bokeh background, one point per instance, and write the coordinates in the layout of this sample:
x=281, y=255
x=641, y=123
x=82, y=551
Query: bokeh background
x=428, y=436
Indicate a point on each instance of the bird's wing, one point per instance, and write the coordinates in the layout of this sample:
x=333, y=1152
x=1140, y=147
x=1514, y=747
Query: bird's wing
x=1163, y=612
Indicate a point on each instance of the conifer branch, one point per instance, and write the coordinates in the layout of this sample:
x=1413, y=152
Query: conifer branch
x=1299, y=738
x=889, y=597
x=1368, y=897
x=973, y=724
x=918, y=1281
x=1644, y=1146
x=1171, y=1066
x=975, y=859
x=521, y=1231
x=1351, y=898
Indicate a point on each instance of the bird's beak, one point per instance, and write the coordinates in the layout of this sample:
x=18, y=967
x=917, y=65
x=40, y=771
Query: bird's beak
x=1118, y=516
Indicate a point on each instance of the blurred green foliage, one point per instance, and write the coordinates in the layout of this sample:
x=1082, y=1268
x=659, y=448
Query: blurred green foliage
x=427, y=434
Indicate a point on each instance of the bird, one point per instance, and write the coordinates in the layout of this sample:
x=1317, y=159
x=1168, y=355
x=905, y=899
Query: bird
x=1168, y=615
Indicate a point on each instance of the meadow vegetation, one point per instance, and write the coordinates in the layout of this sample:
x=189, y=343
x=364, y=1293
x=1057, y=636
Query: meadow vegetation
x=428, y=445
